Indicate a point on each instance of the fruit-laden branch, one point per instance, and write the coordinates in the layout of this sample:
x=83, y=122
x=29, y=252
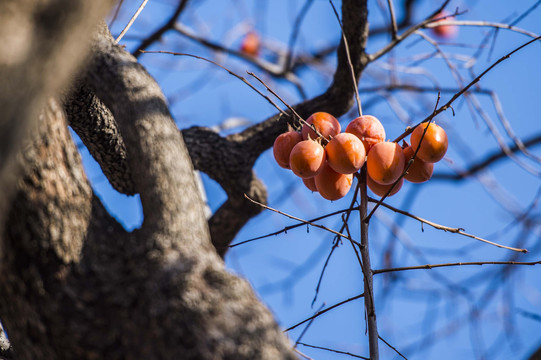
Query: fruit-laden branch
x=337, y=100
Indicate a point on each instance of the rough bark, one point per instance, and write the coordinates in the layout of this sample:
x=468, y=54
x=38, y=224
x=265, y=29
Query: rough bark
x=75, y=285
x=96, y=126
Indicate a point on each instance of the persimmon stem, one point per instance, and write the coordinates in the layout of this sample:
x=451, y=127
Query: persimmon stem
x=367, y=272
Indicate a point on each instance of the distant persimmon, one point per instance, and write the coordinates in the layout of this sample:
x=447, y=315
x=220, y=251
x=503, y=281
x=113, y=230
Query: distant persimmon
x=325, y=123
x=385, y=162
x=434, y=143
x=445, y=31
x=332, y=185
x=251, y=43
x=345, y=153
x=307, y=158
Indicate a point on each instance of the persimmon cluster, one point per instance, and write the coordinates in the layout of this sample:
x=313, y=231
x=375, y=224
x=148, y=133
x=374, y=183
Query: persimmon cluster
x=326, y=159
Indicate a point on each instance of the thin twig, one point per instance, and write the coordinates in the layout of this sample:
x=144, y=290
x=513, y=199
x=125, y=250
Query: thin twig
x=479, y=263
x=287, y=228
x=345, y=219
x=294, y=34
x=156, y=35
x=301, y=220
x=286, y=104
x=334, y=350
x=394, y=28
x=231, y=72
x=301, y=354
x=319, y=313
x=482, y=24
x=334, y=246
x=447, y=228
x=141, y=7
x=495, y=156
x=408, y=165
x=392, y=347
x=117, y=11
x=261, y=63
x=307, y=326
x=466, y=88
x=406, y=34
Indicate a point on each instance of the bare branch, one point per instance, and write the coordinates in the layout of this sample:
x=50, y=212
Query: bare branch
x=447, y=229
x=488, y=161
x=334, y=350
x=394, y=28
x=132, y=20
x=303, y=221
x=465, y=89
x=319, y=313
x=162, y=30
x=478, y=263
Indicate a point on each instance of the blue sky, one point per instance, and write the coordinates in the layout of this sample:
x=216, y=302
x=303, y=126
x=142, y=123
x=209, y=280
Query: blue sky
x=284, y=269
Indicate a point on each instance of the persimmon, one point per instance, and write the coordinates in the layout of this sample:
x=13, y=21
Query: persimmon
x=434, y=144
x=385, y=162
x=332, y=185
x=250, y=43
x=367, y=128
x=283, y=145
x=419, y=171
x=307, y=158
x=381, y=190
x=445, y=31
x=310, y=184
x=345, y=153
x=325, y=123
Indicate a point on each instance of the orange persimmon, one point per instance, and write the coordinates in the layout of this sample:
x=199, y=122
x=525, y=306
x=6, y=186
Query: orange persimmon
x=332, y=185
x=367, y=128
x=345, y=153
x=307, y=158
x=325, y=123
x=283, y=145
x=385, y=162
x=434, y=143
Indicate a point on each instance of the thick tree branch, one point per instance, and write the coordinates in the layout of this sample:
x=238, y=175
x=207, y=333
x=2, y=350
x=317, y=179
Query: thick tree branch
x=178, y=259
x=96, y=127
